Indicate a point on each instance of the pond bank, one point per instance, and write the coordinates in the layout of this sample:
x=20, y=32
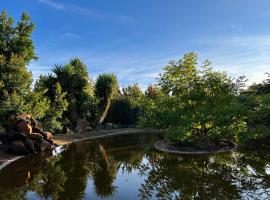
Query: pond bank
x=168, y=148
x=66, y=139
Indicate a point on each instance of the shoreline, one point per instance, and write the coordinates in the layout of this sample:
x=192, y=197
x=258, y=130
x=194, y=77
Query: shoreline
x=164, y=147
x=66, y=139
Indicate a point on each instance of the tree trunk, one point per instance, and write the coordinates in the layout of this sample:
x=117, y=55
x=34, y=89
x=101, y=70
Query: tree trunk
x=103, y=112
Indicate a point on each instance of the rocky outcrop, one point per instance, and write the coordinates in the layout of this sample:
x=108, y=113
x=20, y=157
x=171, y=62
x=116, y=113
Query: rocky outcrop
x=23, y=137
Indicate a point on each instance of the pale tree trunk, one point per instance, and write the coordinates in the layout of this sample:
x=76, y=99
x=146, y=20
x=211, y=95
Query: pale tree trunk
x=103, y=112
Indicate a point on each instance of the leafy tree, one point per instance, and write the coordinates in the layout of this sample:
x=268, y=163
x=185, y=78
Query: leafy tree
x=134, y=93
x=196, y=104
x=151, y=91
x=105, y=88
x=16, y=51
x=125, y=107
x=256, y=99
x=52, y=120
x=75, y=83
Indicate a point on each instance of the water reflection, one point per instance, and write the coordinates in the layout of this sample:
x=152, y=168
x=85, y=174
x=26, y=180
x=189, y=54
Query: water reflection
x=124, y=167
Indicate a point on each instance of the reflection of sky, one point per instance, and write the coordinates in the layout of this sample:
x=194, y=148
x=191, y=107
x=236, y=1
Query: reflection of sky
x=57, y=150
x=32, y=195
x=267, y=169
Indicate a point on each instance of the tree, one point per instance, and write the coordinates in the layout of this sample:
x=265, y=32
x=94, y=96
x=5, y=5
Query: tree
x=75, y=83
x=256, y=99
x=16, y=51
x=105, y=87
x=52, y=121
x=196, y=105
x=125, y=107
x=151, y=91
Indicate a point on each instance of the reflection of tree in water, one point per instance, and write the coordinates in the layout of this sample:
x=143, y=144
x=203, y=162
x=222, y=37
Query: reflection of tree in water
x=49, y=183
x=81, y=162
x=98, y=160
x=214, y=177
x=67, y=174
x=17, y=177
x=235, y=176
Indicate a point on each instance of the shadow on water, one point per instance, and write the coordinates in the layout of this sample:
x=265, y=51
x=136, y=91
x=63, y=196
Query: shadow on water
x=127, y=167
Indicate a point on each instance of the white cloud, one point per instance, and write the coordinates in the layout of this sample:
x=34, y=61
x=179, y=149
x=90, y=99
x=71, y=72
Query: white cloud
x=69, y=35
x=92, y=13
x=248, y=55
x=53, y=4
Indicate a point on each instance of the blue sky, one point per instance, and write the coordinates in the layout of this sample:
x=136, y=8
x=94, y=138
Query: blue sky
x=135, y=38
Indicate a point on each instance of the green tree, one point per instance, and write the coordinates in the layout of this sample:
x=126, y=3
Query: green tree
x=16, y=51
x=52, y=121
x=256, y=99
x=77, y=86
x=151, y=91
x=105, y=88
x=196, y=104
x=125, y=107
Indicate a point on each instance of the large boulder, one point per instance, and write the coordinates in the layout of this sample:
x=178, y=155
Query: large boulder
x=24, y=137
x=12, y=122
x=82, y=125
x=24, y=127
x=43, y=145
x=18, y=148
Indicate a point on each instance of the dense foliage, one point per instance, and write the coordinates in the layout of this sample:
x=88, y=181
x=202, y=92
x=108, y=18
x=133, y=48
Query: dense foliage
x=256, y=100
x=16, y=51
x=74, y=81
x=125, y=108
x=195, y=103
x=105, y=88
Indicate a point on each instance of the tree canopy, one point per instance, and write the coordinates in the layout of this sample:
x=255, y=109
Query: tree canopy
x=195, y=103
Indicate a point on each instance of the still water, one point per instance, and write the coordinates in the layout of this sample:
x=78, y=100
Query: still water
x=127, y=167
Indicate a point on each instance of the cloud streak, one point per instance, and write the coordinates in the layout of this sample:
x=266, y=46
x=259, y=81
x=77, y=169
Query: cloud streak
x=92, y=13
x=248, y=55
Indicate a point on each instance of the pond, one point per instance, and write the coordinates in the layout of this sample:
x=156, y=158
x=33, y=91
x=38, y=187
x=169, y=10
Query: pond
x=127, y=167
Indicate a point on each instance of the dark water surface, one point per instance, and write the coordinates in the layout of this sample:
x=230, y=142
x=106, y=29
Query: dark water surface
x=127, y=167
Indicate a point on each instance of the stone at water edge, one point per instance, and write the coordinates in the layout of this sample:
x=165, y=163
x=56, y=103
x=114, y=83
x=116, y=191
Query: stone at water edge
x=49, y=135
x=29, y=144
x=18, y=148
x=24, y=127
x=82, y=125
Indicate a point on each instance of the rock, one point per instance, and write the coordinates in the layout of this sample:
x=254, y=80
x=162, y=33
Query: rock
x=24, y=136
x=46, y=135
x=42, y=145
x=24, y=127
x=18, y=148
x=49, y=136
x=7, y=138
x=13, y=120
x=35, y=136
x=29, y=144
x=82, y=125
